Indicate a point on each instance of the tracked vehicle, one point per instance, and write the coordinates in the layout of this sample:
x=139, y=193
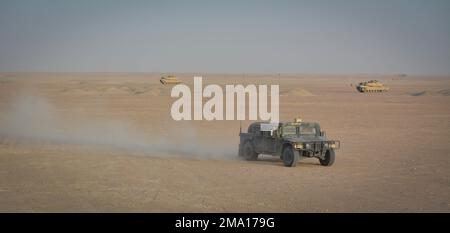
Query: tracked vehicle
x=371, y=86
x=169, y=80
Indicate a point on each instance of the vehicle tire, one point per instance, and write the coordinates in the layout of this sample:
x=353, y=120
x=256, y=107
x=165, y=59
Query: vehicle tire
x=249, y=153
x=290, y=157
x=329, y=158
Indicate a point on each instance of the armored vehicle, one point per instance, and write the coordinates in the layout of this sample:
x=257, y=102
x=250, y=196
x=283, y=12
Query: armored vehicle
x=169, y=80
x=371, y=86
x=289, y=140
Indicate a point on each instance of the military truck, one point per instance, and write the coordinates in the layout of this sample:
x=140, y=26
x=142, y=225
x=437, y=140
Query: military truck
x=371, y=86
x=288, y=140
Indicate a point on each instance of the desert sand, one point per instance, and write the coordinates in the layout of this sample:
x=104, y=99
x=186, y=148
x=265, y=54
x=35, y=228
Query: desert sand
x=106, y=142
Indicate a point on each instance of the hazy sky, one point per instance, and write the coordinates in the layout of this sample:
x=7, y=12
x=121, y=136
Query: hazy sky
x=346, y=36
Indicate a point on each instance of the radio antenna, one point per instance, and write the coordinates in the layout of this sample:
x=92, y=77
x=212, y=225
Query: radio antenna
x=240, y=127
x=279, y=79
x=240, y=121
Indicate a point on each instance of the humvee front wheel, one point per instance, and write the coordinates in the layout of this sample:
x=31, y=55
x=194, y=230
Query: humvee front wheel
x=329, y=158
x=290, y=157
x=249, y=152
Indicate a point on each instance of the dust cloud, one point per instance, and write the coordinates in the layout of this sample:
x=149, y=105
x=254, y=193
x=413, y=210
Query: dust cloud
x=33, y=118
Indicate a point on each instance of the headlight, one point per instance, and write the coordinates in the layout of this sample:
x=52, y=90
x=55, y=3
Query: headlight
x=298, y=146
x=333, y=146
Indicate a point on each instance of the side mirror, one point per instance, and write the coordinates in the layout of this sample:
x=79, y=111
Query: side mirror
x=322, y=133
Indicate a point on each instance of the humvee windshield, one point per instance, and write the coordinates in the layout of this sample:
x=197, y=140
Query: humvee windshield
x=307, y=130
x=303, y=129
x=289, y=130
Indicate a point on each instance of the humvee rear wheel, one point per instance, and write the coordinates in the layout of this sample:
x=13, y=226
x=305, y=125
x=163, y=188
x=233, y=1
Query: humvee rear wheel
x=290, y=157
x=329, y=158
x=249, y=152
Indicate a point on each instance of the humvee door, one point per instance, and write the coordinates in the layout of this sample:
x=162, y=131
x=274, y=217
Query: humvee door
x=265, y=141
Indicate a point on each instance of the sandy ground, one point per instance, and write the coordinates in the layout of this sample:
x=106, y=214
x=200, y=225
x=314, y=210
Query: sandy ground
x=107, y=143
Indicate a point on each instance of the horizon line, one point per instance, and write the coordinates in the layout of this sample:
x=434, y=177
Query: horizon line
x=227, y=73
